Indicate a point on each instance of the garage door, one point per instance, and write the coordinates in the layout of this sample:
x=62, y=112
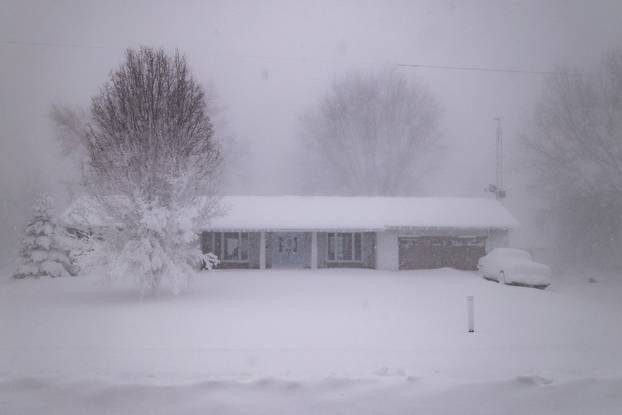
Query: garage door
x=438, y=252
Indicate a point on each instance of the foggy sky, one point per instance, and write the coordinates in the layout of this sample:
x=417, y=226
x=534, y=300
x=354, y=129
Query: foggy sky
x=272, y=60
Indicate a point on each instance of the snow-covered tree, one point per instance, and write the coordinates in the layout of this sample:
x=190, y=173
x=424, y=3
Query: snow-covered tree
x=371, y=135
x=575, y=159
x=42, y=253
x=150, y=166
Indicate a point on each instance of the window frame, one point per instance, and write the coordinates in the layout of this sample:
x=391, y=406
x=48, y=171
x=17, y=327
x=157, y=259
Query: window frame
x=352, y=250
x=221, y=246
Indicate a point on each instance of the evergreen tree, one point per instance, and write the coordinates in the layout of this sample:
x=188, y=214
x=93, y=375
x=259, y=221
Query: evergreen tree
x=41, y=252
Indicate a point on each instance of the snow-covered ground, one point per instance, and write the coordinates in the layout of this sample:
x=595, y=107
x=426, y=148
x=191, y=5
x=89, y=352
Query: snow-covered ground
x=297, y=342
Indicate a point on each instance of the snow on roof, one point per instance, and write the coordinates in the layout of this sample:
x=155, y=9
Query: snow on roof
x=369, y=213
x=84, y=211
x=336, y=213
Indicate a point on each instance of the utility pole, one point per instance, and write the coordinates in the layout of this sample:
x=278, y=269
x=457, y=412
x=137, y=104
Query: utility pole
x=497, y=188
x=500, y=193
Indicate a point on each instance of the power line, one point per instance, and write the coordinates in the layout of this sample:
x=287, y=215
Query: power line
x=50, y=44
x=476, y=68
x=305, y=59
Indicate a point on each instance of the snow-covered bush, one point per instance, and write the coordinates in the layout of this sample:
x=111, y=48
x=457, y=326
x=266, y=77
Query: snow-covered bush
x=210, y=261
x=159, y=252
x=42, y=251
x=85, y=247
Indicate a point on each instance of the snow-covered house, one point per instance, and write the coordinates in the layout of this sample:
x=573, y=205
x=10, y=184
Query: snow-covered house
x=391, y=233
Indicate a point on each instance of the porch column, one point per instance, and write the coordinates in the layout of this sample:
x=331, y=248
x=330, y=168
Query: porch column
x=313, y=250
x=262, y=250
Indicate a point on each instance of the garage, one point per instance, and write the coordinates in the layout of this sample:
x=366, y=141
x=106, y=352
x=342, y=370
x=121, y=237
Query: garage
x=428, y=252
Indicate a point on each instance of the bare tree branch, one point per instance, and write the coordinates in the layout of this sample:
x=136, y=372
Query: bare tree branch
x=575, y=157
x=371, y=135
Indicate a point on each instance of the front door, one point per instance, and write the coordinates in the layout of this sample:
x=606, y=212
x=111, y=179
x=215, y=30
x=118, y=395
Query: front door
x=288, y=250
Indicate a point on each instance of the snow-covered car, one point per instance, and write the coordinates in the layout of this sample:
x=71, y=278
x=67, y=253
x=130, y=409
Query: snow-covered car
x=514, y=267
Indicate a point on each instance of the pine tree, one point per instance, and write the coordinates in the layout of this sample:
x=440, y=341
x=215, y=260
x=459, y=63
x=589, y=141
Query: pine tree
x=41, y=252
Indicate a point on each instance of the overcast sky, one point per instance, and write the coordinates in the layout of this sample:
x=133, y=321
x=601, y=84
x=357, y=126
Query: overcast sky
x=271, y=61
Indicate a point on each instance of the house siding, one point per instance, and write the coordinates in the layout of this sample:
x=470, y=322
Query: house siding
x=308, y=238
x=268, y=249
x=369, y=249
x=322, y=249
x=497, y=238
x=379, y=250
x=253, y=249
x=387, y=251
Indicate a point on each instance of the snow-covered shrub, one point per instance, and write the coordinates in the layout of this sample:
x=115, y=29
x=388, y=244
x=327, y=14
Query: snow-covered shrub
x=210, y=261
x=159, y=252
x=42, y=251
x=84, y=246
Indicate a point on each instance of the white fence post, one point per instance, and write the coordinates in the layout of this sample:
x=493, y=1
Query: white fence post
x=470, y=317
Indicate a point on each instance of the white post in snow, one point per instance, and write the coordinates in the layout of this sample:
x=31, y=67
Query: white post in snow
x=313, y=250
x=470, y=318
x=262, y=250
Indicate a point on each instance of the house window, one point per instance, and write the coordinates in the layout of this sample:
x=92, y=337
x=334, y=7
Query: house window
x=231, y=246
x=344, y=247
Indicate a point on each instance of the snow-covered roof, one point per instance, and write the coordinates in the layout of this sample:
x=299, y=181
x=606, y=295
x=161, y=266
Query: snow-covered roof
x=336, y=213
x=369, y=213
x=84, y=211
